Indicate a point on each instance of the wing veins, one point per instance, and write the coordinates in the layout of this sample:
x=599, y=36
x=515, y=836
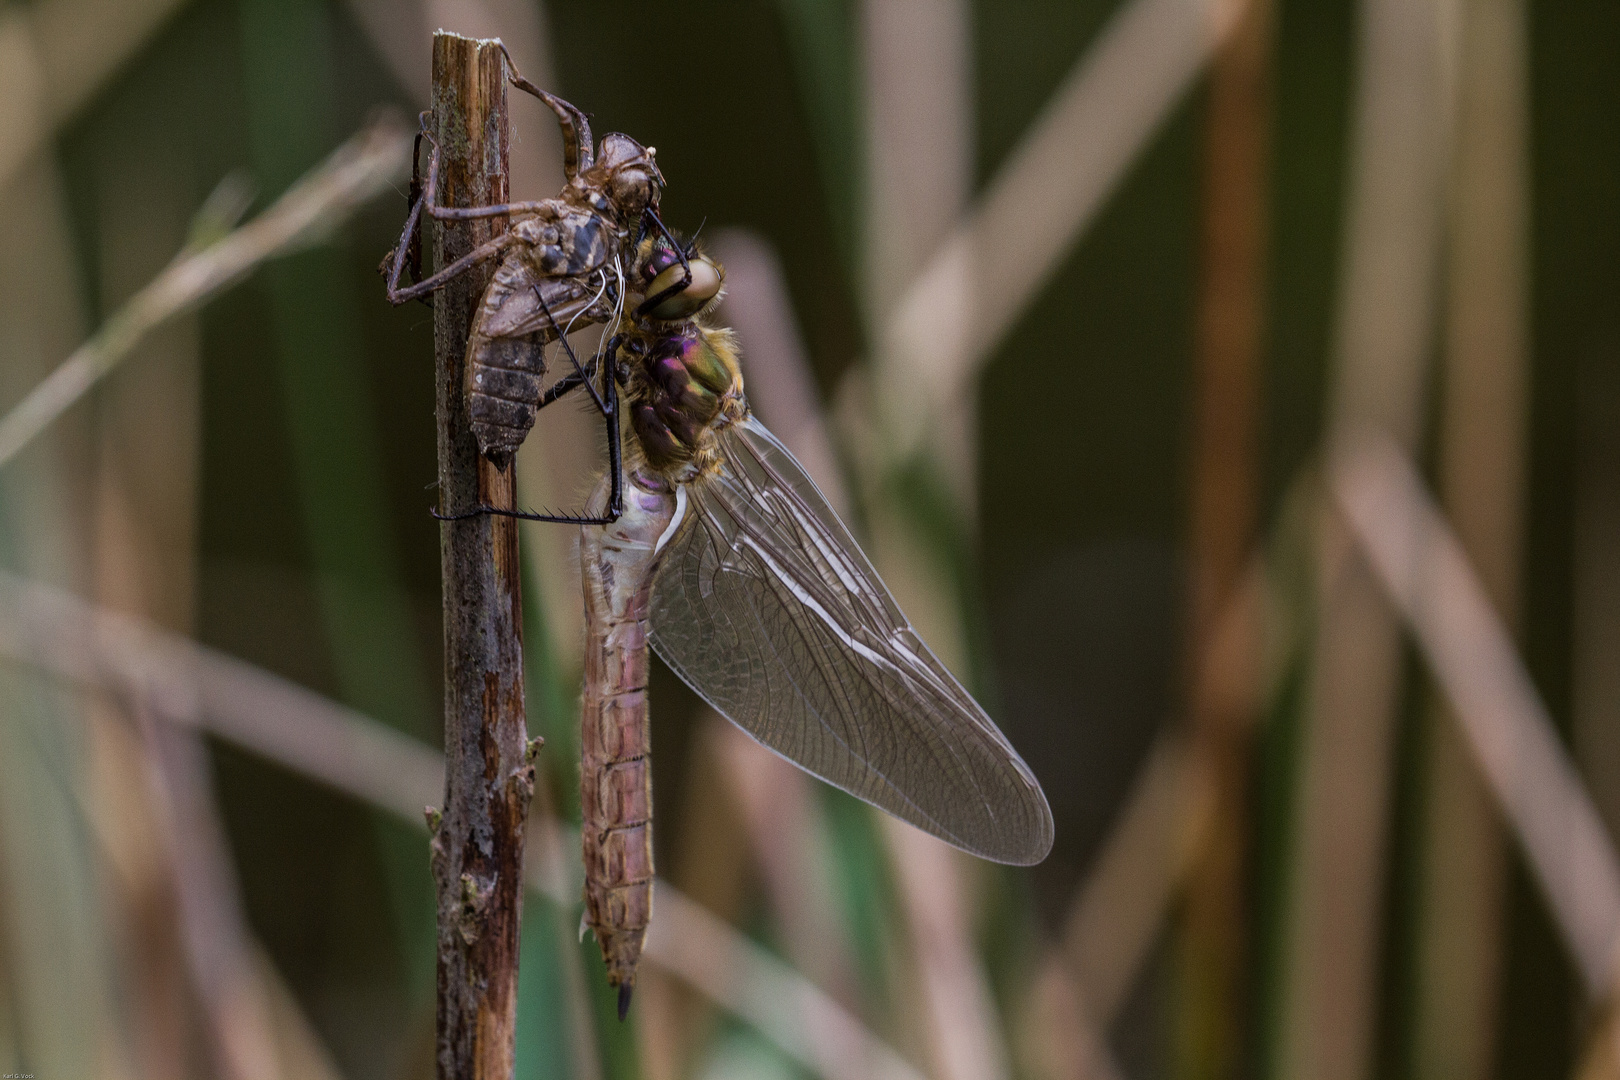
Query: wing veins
x=771, y=612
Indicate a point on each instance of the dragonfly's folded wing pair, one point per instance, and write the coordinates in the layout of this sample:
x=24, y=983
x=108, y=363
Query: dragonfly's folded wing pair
x=768, y=609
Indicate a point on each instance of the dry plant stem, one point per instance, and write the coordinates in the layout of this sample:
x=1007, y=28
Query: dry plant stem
x=1215, y=921
x=356, y=172
x=477, y=847
x=218, y=945
x=1041, y=200
x=548, y=858
x=191, y=685
x=1482, y=459
x=814, y=1030
x=1422, y=566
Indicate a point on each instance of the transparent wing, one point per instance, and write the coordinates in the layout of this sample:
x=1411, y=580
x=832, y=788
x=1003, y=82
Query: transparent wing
x=764, y=604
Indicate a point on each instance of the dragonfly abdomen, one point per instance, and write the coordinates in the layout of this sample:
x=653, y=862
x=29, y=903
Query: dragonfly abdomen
x=517, y=318
x=616, y=793
x=615, y=740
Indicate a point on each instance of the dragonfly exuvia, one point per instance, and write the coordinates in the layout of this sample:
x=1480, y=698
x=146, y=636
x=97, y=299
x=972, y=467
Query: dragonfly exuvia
x=726, y=558
x=707, y=540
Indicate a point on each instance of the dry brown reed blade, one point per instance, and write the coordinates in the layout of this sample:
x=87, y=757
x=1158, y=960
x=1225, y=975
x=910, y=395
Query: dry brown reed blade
x=359, y=170
x=193, y=685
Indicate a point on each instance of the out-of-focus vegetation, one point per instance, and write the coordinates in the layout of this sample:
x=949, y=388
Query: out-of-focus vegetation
x=1176, y=260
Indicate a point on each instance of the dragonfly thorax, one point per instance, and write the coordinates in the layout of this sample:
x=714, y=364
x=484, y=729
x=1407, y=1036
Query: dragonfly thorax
x=688, y=381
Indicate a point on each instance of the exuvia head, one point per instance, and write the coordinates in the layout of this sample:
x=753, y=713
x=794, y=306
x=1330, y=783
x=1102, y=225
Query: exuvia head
x=627, y=173
x=662, y=270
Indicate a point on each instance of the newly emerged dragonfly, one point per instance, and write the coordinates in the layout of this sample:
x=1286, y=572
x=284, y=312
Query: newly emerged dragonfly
x=561, y=265
x=717, y=549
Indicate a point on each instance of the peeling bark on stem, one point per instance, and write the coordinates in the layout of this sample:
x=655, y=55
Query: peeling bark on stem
x=477, y=848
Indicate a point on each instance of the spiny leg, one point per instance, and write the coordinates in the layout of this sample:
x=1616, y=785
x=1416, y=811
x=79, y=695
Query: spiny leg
x=415, y=197
x=569, y=349
x=610, y=384
x=680, y=253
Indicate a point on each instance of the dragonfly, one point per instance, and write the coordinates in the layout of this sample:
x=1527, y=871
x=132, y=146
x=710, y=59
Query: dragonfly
x=711, y=545
x=560, y=264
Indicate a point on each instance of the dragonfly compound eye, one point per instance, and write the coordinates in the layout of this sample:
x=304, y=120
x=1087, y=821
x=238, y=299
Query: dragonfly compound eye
x=707, y=277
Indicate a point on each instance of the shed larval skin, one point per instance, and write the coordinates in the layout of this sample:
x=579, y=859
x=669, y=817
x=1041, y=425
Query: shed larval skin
x=616, y=781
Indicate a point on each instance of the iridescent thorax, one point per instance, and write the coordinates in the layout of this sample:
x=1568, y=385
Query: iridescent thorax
x=688, y=379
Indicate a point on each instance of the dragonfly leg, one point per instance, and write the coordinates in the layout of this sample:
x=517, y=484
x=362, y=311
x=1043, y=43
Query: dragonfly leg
x=524, y=515
x=578, y=150
x=409, y=248
x=579, y=371
x=483, y=253
x=680, y=253
x=610, y=384
x=576, y=379
x=467, y=213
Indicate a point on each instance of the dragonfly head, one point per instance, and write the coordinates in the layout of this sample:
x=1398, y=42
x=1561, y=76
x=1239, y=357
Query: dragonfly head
x=627, y=173
x=662, y=270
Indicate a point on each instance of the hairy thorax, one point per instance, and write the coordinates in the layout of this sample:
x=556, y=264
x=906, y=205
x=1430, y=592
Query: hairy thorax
x=687, y=383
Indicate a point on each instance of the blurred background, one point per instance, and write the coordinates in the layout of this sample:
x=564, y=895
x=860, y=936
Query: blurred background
x=1228, y=389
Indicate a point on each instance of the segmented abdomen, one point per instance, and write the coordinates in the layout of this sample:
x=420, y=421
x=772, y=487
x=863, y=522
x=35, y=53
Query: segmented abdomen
x=506, y=351
x=617, y=563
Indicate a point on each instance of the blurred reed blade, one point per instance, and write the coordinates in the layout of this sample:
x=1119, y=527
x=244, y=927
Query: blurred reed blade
x=983, y=277
x=1215, y=976
x=917, y=99
x=187, y=683
x=1058, y=1037
x=965, y=1029
x=187, y=956
x=219, y=947
x=1422, y=566
x=781, y=382
x=1120, y=907
x=916, y=68
x=788, y=836
x=1481, y=470
x=191, y=684
x=745, y=979
x=55, y=55
x=1342, y=785
x=220, y=212
x=359, y=170
x=787, y=826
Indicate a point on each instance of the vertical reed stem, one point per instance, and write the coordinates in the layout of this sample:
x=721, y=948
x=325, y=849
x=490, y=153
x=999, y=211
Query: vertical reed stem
x=1225, y=500
x=489, y=778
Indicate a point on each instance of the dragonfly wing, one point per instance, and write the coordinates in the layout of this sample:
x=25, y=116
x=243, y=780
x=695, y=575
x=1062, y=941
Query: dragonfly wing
x=767, y=608
x=512, y=306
